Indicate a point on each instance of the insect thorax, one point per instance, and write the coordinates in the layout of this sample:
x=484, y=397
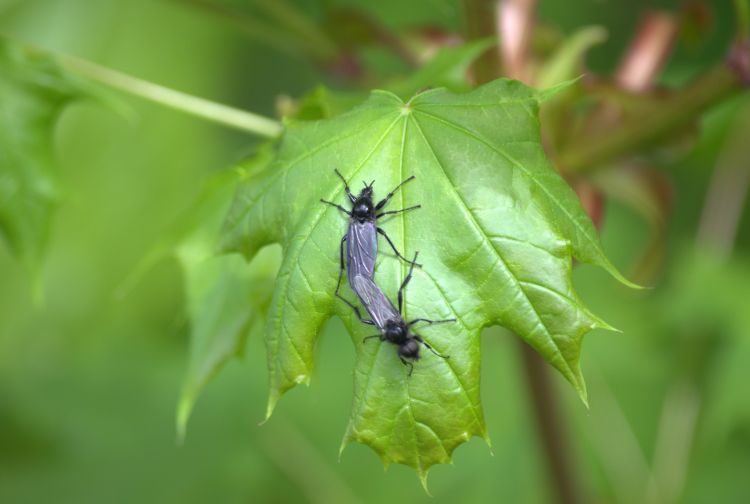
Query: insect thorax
x=396, y=331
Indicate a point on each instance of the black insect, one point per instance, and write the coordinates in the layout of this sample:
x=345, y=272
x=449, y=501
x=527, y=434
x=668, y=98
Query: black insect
x=361, y=236
x=393, y=328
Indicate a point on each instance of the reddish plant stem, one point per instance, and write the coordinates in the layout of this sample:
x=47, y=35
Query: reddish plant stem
x=648, y=51
x=516, y=22
x=551, y=426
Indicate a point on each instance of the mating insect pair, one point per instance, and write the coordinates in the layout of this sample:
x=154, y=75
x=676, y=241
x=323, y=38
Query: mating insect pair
x=361, y=252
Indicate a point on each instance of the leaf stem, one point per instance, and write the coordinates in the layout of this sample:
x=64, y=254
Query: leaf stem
x=199, y=107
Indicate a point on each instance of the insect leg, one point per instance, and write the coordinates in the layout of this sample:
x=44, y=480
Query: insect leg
x=346, y=186
x=407, y=363
x=429, y=347
x=373, y=336
x=416, y=320
x=405, y=283
x=384, y=201
x=397, y=211
x=347, y=212
x=380, y=231
x=341, y=267
x=356, y=310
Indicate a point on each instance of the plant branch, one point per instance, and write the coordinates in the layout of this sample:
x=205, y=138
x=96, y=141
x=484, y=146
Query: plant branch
x=199, y=107
x=648, y=51
x=516, y=26
x=547, y=410
x=481, y=22
x=610, y=144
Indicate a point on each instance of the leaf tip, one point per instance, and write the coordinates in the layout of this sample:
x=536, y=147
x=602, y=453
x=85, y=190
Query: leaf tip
x=423, y=473
x=273, y=399
x=184, y=409
x=487, y=440
x=549, y=92
x=599, y=323
x=347, y=439
x=615, y=273
x=582, y=392
x=302, y=379
x=385, y=461
x=575, y=377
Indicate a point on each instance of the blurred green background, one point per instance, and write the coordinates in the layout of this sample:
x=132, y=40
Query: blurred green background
x=89, y=379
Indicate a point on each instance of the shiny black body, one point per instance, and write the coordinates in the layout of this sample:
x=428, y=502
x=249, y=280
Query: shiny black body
x=393, y=328
x=361, y=236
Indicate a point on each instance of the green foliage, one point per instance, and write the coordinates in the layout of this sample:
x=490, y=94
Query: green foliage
x=227, y=299
x=447, y=68
x=566, y=62
x=87, y=365
x=496, y=233
x=33, y=92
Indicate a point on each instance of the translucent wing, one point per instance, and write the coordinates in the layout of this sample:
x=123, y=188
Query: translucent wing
x=375, y=302
x=361, y=250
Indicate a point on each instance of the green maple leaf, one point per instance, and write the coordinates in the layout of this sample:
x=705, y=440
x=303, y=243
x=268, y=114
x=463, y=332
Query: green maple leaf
x=33, y=92
x=226, y=298
x=497, y=232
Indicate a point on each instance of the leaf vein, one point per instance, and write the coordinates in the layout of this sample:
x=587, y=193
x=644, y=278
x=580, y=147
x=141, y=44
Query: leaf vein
x=481, y=230
x=294, y=255
x=518, y=165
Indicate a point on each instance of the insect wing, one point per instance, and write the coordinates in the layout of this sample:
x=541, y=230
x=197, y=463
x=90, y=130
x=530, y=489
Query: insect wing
x=361, y=251
x=375, y=302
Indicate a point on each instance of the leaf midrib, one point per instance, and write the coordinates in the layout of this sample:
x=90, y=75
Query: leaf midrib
x=278, y=330
x=461, y=385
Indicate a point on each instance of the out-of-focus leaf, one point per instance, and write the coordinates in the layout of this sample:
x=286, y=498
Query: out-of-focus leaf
x=353, y=29
x=646, y=191
x=497, y=232
x=566, y=62
x=446, y=69
x=322, y=103
x=226, y=298
x=704, y=305
x=34, y=89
